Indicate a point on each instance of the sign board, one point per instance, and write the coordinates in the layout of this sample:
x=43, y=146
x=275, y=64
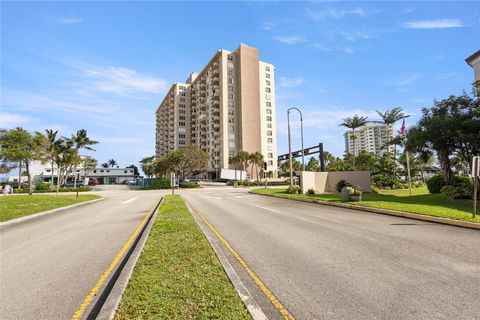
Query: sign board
x=476, y=167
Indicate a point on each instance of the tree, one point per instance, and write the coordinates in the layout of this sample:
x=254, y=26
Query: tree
x=80, y=141
x=235, y=161
x=136, y=173
x=367, y=161
x=147, y=165
x=354, y=123
x=105, y=165
x=89, y=165
x=243, y=158
x=48, y=146
x=188, y=160
x=285, y=167
x=159, y=167
x=18, y=145
x=112, y=163
x=313, y=164
x=257, y=160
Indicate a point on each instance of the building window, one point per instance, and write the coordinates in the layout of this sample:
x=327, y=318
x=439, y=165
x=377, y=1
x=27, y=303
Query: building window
x=270, y=155
x=267, y=90
x=269, y=125
x=181, y=117
x=230, y=58
x=267, y=75
x=270, y=162
x=181, y=124
x=181, y=136
x=269, y=111
x=230, y=96
x=269, y=140
x=267, y=68
x=181, y=142
x=269, y=118
x=230, y=88
x=181, y=111
x=269, y=104
x=230, y=80
x=181, y=106
x=230, y=73
x=269, y=133
x=267, y=82
x=182, y=99
x=125, y=171
x=231, y=153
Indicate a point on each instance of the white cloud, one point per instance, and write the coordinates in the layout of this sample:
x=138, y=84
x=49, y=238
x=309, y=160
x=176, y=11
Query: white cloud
x=403, y=81
x=286, y=82
x=8, y=121
x=121, y=80
x=433, y=24
x=348, y=50
x=337, y=13
x=267, y=25
x=290, y=40
x=70, y=19
x=322, y=47
x=355, y=35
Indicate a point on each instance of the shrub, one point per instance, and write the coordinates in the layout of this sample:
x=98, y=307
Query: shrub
x=462, y=188
x=435, y=183
x=341, y=184
x=186, y=184
x=72, y=189
x=311, y=191
x=158, y=184
x=293, y=189
x=383, y=181
x=42, y=187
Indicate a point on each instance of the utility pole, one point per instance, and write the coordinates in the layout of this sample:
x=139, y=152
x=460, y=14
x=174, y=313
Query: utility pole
x=290, y=142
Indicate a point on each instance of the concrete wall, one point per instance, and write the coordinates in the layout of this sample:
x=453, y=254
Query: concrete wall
x=323, y=182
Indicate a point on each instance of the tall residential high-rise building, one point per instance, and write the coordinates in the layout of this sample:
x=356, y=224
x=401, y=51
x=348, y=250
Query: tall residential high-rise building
x=371, y=137
x=227, y=107
x=474, y=62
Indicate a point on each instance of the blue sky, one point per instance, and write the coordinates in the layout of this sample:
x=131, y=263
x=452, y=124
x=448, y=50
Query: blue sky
x=105, y=66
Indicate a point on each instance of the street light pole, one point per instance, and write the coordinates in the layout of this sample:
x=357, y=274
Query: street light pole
x=290, y=142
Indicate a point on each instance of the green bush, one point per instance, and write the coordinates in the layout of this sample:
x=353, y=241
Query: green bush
x=42, y=187
x=293, y=189
x=310, y=191
x=185, y=184
x=72, y=189
x=341, y=184
x=382, y=181
x=158, y=184
x=462, y=188
x=435, y=183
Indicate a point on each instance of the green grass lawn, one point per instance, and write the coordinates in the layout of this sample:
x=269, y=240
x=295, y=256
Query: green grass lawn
x=177, y=275
x=421, y=202
x=23, y=205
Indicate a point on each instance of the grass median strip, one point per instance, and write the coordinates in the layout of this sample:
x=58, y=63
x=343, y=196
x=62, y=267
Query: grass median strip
x=421, y=202
x=19, y=206
x=178, y=276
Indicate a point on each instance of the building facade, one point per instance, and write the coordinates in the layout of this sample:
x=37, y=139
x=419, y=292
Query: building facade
x=474, y=62
x=227, y=107
x=371, y=137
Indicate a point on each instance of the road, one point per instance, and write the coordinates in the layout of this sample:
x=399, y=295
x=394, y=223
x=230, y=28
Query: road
x=324, y=262
x=48, y=265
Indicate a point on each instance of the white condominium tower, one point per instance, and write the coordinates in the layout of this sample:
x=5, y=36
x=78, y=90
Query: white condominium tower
x=229, y=106
x=371, y=137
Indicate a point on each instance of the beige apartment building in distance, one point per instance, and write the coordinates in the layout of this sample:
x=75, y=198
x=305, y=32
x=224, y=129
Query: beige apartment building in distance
x=474, y=62
x=227, y=107
x=371, y=137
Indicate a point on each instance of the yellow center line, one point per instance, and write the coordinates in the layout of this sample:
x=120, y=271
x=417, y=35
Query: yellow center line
x=112, y=266
x=277, y=304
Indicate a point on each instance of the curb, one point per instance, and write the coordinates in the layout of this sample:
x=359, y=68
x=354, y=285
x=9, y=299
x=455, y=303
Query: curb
x=9, y=223
x=408, y=215
x=250, y=304
x=110, y=306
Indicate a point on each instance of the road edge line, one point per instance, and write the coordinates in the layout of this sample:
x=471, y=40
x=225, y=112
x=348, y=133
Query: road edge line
x=270, y=296
x=110, y=306
x=12, y=222
x=248, y=300
x=93, y=292
x=408, y=215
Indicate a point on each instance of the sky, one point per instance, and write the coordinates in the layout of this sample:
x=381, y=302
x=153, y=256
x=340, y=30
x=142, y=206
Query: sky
x=106, y=66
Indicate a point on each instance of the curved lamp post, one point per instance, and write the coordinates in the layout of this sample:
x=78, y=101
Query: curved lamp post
x=290, y=142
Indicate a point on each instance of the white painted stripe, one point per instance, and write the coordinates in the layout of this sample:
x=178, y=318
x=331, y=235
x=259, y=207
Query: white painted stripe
x=130, y=200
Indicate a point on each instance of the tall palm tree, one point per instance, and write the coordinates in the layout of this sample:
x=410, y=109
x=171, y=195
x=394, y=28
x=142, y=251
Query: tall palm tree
x=354, y=123
x=112, y=162
x=235, y=161
x=243, y=158
x=47, y=141
x=253, y=162
x=105, y=165
x=81, y=141
x=259, y=160
x=389, y=117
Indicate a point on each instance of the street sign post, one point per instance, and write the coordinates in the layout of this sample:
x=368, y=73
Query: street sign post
x=172, y=182
x=475, y=177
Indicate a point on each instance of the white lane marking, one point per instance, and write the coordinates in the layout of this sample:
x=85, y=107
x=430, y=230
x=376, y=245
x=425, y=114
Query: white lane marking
x=256, y=205
x=216, y=198
x=130, y=200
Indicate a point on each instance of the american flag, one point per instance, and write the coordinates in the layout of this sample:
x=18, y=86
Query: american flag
x=403, y=132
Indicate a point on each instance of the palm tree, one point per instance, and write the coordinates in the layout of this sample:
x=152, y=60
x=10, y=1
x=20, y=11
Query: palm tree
x=147, y=165
x=243, y=158
x=389, y=117
x=354, y=123
x=105, y=165
x=49, y=149
x=79, y=141
x=235, y=161
x=253, y=161
x=112, y=162
x=259, y=160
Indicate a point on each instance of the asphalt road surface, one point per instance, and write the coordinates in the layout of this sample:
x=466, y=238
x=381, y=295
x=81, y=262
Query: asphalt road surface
x=48, y=265
x=332, y=263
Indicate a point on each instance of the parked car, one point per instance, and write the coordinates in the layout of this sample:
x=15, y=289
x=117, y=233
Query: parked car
x=93, y=181
x=71, y=184
x=131, y=182
x=230, y=183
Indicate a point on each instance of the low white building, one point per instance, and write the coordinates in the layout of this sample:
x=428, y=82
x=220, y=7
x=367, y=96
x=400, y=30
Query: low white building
x=103, y=175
